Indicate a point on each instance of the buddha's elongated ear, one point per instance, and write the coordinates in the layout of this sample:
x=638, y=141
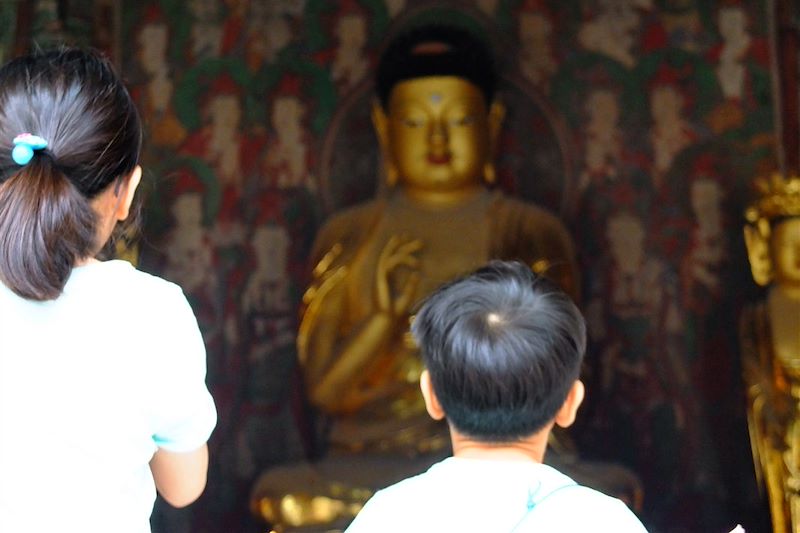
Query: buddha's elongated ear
x=497, y=112
x=757, y=244
x=380, y=121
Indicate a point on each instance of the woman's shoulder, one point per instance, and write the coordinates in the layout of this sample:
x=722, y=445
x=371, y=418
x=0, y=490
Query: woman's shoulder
x=152, y=303
x=124, y=282
x=116, y=270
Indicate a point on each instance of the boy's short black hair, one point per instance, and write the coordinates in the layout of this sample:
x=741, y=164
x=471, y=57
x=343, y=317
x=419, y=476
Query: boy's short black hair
x=503, y=348
x=436, y=50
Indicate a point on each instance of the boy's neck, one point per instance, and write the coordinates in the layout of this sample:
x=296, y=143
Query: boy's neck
x=531, y=448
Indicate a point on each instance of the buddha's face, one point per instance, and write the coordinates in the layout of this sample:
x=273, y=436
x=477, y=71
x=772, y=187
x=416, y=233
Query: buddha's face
x=602, y=107
x=534, y=28
x=625, y=236
x=287, y=114
x=271, y=244
x=225, y=111
x=188, y=210
x=666, y=103
x=438, y=133
x=732, y=22
x=351, y=31
x=153, y=48
x=785, y=252
x=705, y=196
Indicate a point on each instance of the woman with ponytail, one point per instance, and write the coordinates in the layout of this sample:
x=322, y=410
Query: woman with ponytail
x=102, y=367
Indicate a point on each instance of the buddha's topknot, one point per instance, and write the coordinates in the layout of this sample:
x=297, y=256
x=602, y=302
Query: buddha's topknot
x=436, y=50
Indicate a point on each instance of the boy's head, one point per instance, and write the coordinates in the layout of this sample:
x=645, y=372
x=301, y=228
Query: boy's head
x=503, y=348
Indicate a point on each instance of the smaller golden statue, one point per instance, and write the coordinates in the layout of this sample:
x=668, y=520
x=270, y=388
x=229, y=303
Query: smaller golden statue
x=770, y=339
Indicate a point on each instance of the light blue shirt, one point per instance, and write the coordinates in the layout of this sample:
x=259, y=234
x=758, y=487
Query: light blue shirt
x=473, y=495
x=89, y=383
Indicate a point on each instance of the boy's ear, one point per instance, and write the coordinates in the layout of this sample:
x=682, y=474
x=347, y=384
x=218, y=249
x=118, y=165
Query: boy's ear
x=431, y=401
x=569, y=409
x=126, y=192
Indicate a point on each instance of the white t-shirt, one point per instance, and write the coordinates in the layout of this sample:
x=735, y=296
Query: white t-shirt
x=473, y=495
x=89, y=383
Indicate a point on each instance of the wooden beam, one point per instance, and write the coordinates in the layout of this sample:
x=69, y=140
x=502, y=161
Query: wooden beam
x=22, y=32
x=788, y=62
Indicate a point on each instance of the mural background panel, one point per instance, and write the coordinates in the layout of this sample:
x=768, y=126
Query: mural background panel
x=641, y=122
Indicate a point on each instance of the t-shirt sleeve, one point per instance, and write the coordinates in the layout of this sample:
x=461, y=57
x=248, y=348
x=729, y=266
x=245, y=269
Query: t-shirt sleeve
x=184, y=414
x=622, y=519
x=371, y=518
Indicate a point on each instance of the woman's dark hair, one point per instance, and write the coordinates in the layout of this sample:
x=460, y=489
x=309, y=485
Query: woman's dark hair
x=503, y=348
x=74, y=100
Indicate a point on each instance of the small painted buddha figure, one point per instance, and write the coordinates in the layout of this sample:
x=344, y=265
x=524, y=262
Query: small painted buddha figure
x=437, y=121
x=770, y=340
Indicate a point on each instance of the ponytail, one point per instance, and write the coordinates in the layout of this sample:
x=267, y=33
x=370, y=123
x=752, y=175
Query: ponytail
x=46, y=226
x=68, y=131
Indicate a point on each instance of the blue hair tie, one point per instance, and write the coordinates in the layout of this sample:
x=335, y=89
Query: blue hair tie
x=24, y=146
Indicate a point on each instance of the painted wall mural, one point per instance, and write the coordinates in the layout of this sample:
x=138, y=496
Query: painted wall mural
x=640, y=122
x=8, y=21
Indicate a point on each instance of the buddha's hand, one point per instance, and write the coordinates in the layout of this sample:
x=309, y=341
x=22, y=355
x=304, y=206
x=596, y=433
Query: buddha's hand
x=394, y=294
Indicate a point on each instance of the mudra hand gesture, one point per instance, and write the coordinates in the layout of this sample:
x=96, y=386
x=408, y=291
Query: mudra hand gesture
x=394, y=293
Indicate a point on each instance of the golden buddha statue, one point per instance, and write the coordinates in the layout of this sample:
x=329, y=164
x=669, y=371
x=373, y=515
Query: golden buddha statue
x=770, y=339
x=437, y=122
